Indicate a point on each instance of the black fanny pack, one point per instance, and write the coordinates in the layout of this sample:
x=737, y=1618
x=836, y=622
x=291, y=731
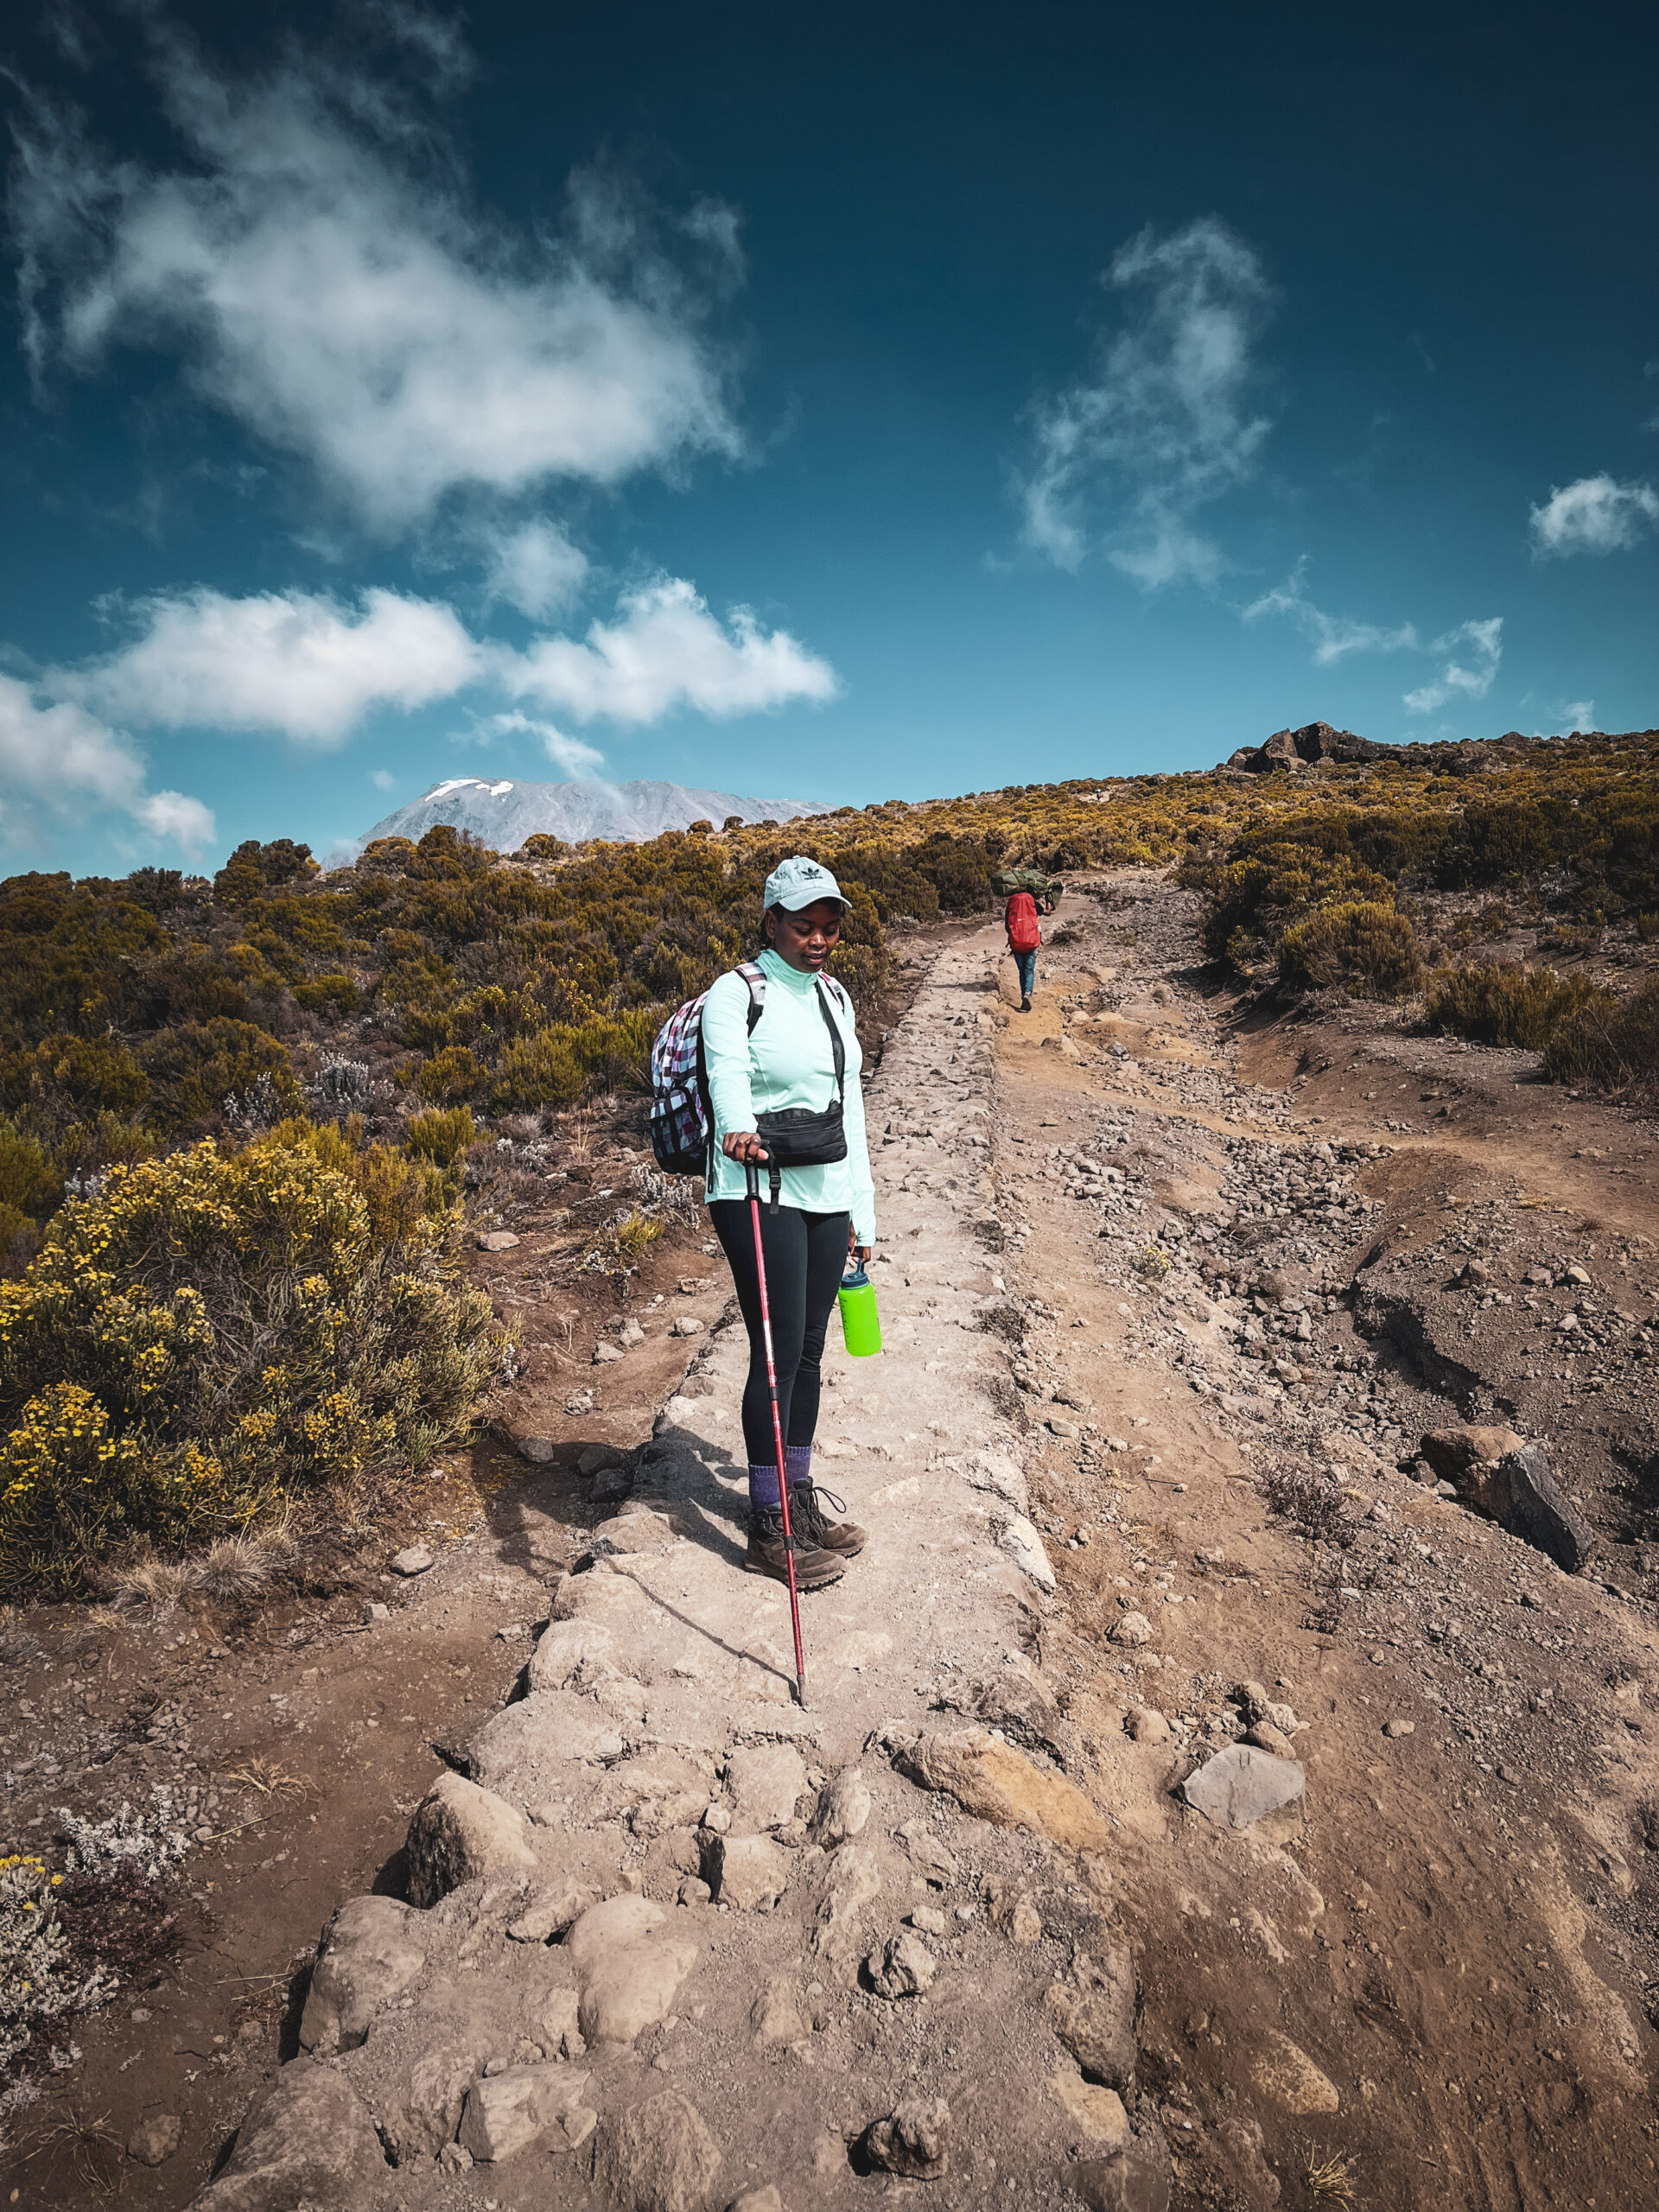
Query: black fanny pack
x=802, y=1136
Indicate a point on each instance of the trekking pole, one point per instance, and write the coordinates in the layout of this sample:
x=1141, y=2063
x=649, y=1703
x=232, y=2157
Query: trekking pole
x=751, y=1176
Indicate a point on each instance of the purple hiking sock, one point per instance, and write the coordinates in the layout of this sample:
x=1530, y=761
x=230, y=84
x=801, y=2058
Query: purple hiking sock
x=763, y=1488
x=797, y=1463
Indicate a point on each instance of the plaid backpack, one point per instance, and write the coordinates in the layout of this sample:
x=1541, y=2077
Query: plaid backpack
x=681, y=1116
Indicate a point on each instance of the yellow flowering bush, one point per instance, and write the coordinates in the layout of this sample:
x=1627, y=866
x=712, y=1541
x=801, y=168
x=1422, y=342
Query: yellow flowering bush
x=213, y=1332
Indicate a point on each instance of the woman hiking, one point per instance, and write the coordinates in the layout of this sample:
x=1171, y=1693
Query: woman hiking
x=781, y=1085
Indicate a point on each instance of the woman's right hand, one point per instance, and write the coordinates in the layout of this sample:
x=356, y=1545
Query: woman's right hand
x=745, y=1146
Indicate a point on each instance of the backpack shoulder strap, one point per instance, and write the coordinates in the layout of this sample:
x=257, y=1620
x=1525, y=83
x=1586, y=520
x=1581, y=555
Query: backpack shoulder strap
x=837, y=1049
x=755, y=976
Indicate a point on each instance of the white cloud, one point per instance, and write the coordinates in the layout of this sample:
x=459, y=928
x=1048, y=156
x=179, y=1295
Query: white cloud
x=327, y=280
x=1335, y=635
x=305, y=667
x=1578, y=714
x=312, y=670
x=1469, y=655
x=666, y=651
x=187, y=821
x=1163, y=427
x=54, y=756
x=1596, y=514
x=1472, y=652
x=536, y=569
x=384, y=780
x=570, y=753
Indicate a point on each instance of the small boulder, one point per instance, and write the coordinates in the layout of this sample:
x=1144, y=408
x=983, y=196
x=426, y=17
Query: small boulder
x=1533, y=1506
x=764, y=2197
x=498, y=1239
x=775, y=2015
x=575, y=1651
x=520, y=2109
x=460, y=1832
x=426, y=2119
x=630, y=1976
x=605, y=1354
x=559, y=2025
x=844, y=1808
x=765, y=1781
x=1453, y=1453
x=658, y=2156
x=687, y=1325
x=307, y=2138
x=1093, y=2015
x=538, y=1450
x=1266, y=1737
x=415, y=1559
x=1013, y=1911
x=914, y=2141
x=1283, y=2072
x=155, y=2139
x=994, y=1781
x=550, y=1912
x=1021, y=1541
x=371, y=1951
x=1147, y=1726
x=904, y=1966
x=1132, y=1629
x=1137, y=2178
x=1241, y=1783
x=594, y=1457
x=749, y=1872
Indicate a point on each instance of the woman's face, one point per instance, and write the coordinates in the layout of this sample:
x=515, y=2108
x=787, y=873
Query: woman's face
x=807, y=938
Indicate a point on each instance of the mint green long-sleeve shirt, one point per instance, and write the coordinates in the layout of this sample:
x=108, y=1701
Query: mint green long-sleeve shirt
x=787, y=1062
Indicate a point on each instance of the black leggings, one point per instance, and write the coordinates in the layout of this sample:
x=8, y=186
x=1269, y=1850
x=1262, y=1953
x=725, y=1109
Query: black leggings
x=806, y=1255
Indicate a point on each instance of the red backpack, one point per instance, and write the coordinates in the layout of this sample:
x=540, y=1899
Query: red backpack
x=1025, y=933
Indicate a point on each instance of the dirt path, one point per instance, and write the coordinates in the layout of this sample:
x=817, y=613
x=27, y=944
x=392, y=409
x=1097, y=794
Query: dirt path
x=1120, y=1247
x=1460, y=1932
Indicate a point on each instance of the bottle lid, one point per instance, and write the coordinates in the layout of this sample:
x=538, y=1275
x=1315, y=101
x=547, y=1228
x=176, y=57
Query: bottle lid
x=857, y=1280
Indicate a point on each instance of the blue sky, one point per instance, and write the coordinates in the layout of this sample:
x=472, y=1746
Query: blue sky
x=907, y=403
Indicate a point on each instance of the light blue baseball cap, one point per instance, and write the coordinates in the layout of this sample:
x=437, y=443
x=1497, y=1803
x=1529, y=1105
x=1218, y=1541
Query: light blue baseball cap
x=799, y=882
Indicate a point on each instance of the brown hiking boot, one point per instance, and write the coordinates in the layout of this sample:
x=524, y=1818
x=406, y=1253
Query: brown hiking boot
x=1025, y=1005
x=766, y=1554
x=845, y=1538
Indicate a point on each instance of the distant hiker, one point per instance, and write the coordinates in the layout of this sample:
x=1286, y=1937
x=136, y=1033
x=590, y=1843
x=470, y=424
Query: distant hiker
x=783, y=1086
x=1024, y=940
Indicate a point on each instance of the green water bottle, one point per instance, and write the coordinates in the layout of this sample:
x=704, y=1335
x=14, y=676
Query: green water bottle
x=860, y=1322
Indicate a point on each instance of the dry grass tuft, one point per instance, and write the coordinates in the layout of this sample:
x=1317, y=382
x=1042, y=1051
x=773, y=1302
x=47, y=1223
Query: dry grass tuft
x=269, y=1779
x=1331, y=2179
x=94, y=2155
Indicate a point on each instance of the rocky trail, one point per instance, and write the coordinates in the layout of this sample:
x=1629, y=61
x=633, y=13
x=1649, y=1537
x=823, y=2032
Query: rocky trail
x=1229, y=1778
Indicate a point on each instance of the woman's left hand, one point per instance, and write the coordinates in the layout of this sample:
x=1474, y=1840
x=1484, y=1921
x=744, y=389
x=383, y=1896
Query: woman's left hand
x=860, y=1252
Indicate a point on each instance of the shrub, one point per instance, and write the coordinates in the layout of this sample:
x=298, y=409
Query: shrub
x=195, y=1068
x=1369, y=947
x=441, y=1137
x=557, y=1064
x=30, y=1184
x=66, y=1077
x=448, y=1075
x=1606, y=1040
x=1504, y=1006
x=327, y=994
x=211, y=1333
